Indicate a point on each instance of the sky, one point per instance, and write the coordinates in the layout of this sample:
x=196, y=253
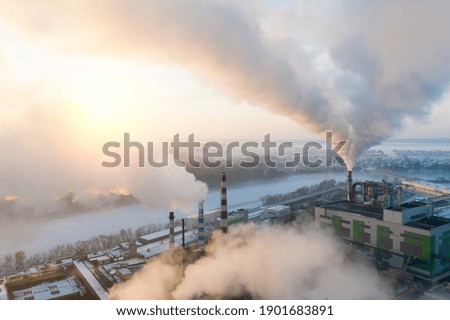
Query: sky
x=151, y=98
x=76, y=75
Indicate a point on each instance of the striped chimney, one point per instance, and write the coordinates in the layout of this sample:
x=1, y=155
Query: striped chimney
x=223, y=203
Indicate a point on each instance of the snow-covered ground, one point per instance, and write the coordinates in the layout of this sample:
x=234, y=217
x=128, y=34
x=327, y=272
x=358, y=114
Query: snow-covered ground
x=249, y=195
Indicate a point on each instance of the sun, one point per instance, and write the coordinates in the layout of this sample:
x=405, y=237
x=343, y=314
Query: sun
x=103, y=97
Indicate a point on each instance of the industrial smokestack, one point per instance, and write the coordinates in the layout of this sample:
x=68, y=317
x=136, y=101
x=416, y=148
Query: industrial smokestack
x=223, y=203
x=171, y=230
x=183, y=227
x=349, y=186
x=399, y=196
x=201, y=225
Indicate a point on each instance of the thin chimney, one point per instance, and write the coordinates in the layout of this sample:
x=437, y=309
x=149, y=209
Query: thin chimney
x=223, y=203
x=171, y=230
x=349, y=186
x=201, y=225
x=183, y=229
x=399, y=196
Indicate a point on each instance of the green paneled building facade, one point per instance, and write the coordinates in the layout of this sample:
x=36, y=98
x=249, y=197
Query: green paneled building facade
x=408, y=236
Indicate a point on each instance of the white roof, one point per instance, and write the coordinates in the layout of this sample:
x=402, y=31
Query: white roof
x=159, y=234
x=48, y=290
x=95, y=254
x=254, y=215
x=66, y=261
x=123, y=263
x=89, y=277
x=279, y=208
x=124, y=271
x=101, y=258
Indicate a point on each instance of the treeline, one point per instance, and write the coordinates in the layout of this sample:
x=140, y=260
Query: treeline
x=236, y=174
x=239, y=175
x=303, y=191
x=20, y=261
x=15, y=209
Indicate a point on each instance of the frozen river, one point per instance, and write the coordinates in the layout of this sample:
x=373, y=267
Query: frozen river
x=43, y=235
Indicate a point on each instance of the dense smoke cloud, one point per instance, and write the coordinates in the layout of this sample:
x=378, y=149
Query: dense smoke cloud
x=260, y=261
x=358, y=69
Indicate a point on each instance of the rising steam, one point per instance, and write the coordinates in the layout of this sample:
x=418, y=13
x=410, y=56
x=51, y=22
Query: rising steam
x=358, y=69
x=260, y=261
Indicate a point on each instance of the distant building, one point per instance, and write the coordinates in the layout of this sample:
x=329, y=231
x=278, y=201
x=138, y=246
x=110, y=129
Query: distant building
x=234, y=217
x=408, y=236
x=103, y=259
x=277, y=214
x=158, y=236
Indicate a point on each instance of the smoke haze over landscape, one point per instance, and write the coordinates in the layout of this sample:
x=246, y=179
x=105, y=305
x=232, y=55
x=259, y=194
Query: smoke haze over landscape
x=75, y=75
x=360, y=74
x=261, y=261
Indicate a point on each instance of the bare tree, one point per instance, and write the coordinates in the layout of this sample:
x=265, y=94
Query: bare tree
x=19, y=258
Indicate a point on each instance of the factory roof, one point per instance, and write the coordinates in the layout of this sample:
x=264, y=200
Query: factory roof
x=429, y=223
x=364, y=210
x=156, y=236
x=48, y=290
x=124, y=271
x=408, y=205
x=279, y=208
x=155, y=248
x=95, y=254
x=123, y=263
x=90, y=279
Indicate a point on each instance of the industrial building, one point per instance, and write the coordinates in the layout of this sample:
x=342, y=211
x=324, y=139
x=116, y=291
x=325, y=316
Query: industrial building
x=56, y=283
x=277, y=214
x=90, y=275
x=402, y=235
x=68, y=288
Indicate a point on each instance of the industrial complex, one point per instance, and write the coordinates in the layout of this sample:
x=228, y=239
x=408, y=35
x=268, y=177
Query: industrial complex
x=406, y=234
x=91, y=275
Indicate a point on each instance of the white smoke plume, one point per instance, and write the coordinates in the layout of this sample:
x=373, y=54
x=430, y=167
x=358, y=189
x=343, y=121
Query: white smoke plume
x=260, y=261
x=356, y=68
